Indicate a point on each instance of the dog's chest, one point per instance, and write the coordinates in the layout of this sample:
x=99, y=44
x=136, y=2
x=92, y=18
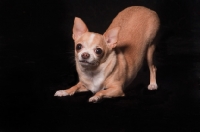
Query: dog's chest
x=94, y=81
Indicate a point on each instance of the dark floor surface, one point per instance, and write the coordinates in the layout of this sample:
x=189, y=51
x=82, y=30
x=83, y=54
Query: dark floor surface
x=36, y=59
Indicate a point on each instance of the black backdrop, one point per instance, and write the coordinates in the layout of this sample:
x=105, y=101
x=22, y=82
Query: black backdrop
x=36, y=59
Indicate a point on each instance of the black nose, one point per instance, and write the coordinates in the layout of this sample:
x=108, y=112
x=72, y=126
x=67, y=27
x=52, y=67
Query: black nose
x=85, y=55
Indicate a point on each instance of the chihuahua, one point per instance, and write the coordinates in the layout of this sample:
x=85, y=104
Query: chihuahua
x=108, y=63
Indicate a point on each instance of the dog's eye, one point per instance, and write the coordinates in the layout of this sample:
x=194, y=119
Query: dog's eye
x=98, y=51
x=78, y=46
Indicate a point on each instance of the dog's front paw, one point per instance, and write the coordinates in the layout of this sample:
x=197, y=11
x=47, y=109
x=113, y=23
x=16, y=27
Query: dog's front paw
x=94, y=99
x=153, y=86
x=61, y=93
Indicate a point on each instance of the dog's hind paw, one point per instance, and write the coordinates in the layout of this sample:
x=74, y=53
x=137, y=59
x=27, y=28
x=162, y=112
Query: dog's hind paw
x=61, y=93
x=153, y=86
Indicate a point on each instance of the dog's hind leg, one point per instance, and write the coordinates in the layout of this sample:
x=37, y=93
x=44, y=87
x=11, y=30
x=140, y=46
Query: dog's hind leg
x=153, y=85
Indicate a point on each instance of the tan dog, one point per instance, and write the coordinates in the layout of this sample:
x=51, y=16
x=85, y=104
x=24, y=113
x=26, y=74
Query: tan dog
x=107, y=63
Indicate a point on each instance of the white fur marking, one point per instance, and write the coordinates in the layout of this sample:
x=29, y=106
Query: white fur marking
x=61, y=93
x=91, y=38
x=95, y=79
x=97, y=82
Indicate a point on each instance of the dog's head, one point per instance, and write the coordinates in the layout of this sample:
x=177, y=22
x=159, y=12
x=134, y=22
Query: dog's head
x=92, y=49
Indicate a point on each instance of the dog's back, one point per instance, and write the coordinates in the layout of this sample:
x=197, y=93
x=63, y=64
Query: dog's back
x=138, y=29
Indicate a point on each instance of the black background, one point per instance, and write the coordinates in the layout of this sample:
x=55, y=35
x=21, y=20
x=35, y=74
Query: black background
x=36, y=59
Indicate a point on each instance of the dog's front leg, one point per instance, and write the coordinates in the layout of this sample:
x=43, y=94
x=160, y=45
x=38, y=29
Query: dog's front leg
x=110, y=92
x=69, y=92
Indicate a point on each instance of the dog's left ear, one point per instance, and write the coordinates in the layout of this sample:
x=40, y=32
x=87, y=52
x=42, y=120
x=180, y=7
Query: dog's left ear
x=111, y=37
x=79, y=28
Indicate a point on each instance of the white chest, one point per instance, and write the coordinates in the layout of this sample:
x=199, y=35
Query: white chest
x=94, y=82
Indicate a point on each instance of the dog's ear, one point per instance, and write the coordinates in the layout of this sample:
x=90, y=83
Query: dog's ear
x=79, y=28
x=111, y=37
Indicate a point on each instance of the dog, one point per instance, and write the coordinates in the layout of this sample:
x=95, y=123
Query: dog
x=108, y=63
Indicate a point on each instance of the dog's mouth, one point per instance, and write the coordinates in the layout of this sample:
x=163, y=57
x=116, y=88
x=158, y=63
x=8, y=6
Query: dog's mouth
x=85, y=62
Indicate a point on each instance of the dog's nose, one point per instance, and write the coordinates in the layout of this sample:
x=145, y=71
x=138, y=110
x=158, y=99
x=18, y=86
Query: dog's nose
x=85, y=55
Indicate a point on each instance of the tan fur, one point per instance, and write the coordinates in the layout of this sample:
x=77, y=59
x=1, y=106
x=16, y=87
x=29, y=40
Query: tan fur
x=125, y=43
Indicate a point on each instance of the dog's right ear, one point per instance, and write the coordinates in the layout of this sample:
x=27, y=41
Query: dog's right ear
x=79, y=28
